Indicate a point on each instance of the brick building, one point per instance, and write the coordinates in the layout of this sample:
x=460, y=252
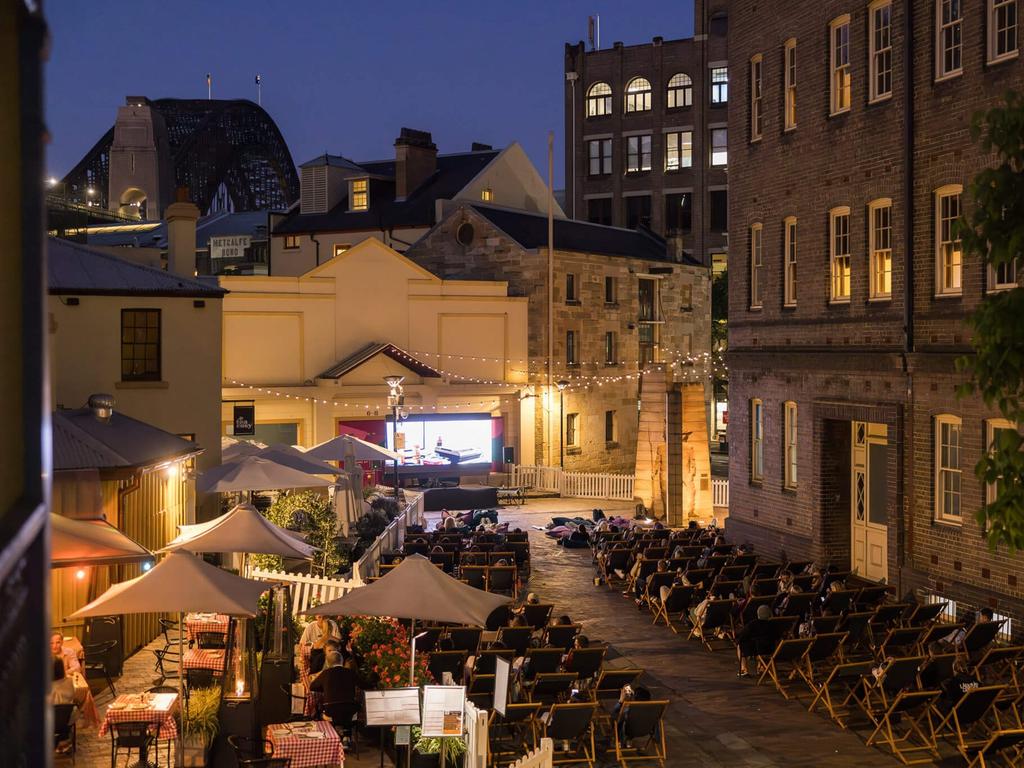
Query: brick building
x=849, y=298
x=646, y=129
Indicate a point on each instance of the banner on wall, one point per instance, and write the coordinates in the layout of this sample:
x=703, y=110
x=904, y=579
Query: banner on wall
x=245, y=419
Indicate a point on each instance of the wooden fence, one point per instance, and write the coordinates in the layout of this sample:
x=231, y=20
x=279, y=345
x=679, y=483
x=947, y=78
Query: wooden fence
x=540, y=757
x=308, y=591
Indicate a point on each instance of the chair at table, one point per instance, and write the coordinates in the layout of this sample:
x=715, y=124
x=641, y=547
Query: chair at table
x=901, y=729
x=344, y=719
x=966, y=718
x=513, y=734
x=640, y=721
x=562, y=635
x=212, y=640
x=129, y=737
x=254, y=753
x=97, y=661
x=465, y=638
x=515, y=638
x=168, y=741
x=64, y=728
x=572, y=723
x=171, y=632
x=453, y=662
x=537, y=615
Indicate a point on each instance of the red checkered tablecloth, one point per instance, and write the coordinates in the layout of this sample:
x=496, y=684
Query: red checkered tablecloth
x=313, y=699
x=160, y=711
x=204, y=658
x=303, y=751
x=195, y=623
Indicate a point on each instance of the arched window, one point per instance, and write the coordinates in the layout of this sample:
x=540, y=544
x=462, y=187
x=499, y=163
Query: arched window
x=638, y=95
x=599, y=100
x=680, y=91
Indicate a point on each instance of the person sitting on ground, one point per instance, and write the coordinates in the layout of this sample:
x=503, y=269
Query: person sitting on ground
x=754, y=639
x=67, y=655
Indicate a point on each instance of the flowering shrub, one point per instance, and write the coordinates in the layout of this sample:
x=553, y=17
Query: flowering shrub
x=382, y=647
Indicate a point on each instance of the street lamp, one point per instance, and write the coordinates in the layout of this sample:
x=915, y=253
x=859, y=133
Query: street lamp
x=561, y=421
x=396, y=399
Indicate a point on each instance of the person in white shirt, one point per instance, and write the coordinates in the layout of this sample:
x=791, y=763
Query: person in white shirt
x=67, y=655
x=316, y=634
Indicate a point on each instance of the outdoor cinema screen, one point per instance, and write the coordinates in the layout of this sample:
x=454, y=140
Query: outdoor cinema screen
x=438, y=441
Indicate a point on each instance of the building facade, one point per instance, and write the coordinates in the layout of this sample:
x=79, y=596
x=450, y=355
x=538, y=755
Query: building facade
x=646, y=131
x=850, y=292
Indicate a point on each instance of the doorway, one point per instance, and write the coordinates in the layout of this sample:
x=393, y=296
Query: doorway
x=869, y=500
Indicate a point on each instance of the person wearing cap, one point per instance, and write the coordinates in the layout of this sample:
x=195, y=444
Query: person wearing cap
x=755, y=639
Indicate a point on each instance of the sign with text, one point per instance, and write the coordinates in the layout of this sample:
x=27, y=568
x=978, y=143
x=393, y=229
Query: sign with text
x=502, y=667
x=229, y=246
x=245, y=420
x=393, y=706
x=443, y=709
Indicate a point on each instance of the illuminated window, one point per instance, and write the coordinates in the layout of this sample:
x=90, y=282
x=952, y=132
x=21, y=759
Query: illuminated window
x=947, y=469
x=291, y=241
x=755, y=266
x=600, y=154
x=1002, y=30
x=719, y=85
x=487, y=194
x=340, y=248
x=949, y=18
x=789, y=254
x=719, y=146
x=678, y=150
x=880, y=248
x=638, y=95
x=756, y=440
x=789, y=107
x=880, y=54
x=638, y=154
x=839, y=256
x=789, y=413
x=599, y=100
x=840, y=58
x=572, y=430
x=680, y=91
x=756, y=116
x=359, y=194
x=948, y=250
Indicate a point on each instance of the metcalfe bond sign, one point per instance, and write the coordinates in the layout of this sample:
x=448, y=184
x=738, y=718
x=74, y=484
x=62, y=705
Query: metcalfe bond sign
x=229, y=246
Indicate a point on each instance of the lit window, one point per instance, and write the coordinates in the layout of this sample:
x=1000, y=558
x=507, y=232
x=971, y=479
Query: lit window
x=487, y=194
x=359, y=194
x=948, y=249
x=1002, y=30
x=340, y=248
x=610, y=431
x=756, y=440
x=839, y=254
x=948, y=613
x=840, y=57
x=755, y=266
x=599, y=100
x=790, y=419
x=638, y=154
x=600, y=153
x=291, y=241
x=789, y=108
x=719, y=85
x=789, y=245
x=638, y=95
x=756, y=117
x=570, y=348
x=680, y=91
x=719, y=146
x=880, y=43
x=611, y=348
x=880, y=248
x=570, y=289
x=572, y=429
x=678, y=150
x=947, y=469
x=949, y=43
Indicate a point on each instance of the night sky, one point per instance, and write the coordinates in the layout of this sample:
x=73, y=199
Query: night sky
x=339, y=76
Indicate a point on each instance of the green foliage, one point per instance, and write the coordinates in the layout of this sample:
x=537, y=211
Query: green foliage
x=202, y=712
x=309, y=513
x=371, y=525
x=994, y=232
x=453, y=746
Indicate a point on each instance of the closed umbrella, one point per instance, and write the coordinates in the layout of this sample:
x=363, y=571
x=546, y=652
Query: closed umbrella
x=91, y=542
x=243, y=529
x=348, y=507
x=255, y=473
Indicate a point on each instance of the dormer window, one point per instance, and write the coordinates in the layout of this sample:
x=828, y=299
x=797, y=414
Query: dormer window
x=359, y=195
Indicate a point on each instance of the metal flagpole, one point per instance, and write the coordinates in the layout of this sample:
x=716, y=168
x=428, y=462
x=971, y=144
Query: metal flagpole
x=209, y=86
x=259, y=90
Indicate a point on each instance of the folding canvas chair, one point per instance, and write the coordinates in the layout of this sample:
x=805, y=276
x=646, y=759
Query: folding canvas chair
x=924, y=614
x=716, y=563
x=787, y=652
x=453, y=662
x=485, y=661
x=676, y=603
x=825, y=649
x=699, y=576
x=611, y=681
x=1010, y=742
x=445, y=559
x=857, y=627
x=762, y=587
x=515, y=638
x=723, y=589
x=654, y=584
x=717, y=619
x=748, y=560
x=906, y=727
x=765, y=571
x=502, y=580
x=962, y=725
x=878, y=693
x=796, y=566
x=835, y=690
x=869, y=597
x=494, y=556
x=572, y=723
x=520, y=552
x=799, y=603
x=481, y=690
x=733, y=572
x=749, y=612
x=615, y=559
x=551, y=687
x=585, y=663
x=1001, y=661
x=838, y=602
x=541, y=661
x=979, y=637
x=537, y=615
x=640, y=732
x=889, y=615
x=465, y=639
x=561, y=635
x=936, y=671
x=900, y=641
x=475, y=575
x=647, y=567
x=513, y=734
x=933, y=632
x=824, y=625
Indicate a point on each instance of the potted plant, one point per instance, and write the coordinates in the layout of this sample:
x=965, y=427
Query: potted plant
x=429, y=750
x=201, y=725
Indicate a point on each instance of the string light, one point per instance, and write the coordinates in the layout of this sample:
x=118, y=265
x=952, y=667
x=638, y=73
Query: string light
x=371, y=406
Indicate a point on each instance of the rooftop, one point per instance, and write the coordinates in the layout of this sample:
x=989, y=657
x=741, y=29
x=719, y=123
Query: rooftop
x=373, y=349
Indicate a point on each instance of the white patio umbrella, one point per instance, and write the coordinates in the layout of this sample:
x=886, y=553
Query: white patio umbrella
x=255, y=473
x=287, y=456
x=231, y=449
x=91, y=542
x=363, y=450
x=242, y=529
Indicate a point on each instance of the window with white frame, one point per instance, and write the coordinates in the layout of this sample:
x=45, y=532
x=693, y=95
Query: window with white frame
x=880, y=248
x=638, y=154
x=599, y=152
x=719, y=146
x=359, y=194
x=948, y=249
x=572, y=430
x=756, y=116
x=1002, y=30
x=1002, y=277
x=1005, y=633
x=756, y=440
x=789, y=413
x=948, y=613
x=789, y=97
x=840, y=86
x=679, y=92
x=755, y=266
x=678, y=150
x=949, y=19
x=599, y=100
x=638, y=95
x=789, y=254
x=719, y=85
x=839, y=254
x=994, y=429
x=947, y=469
x=880, y=54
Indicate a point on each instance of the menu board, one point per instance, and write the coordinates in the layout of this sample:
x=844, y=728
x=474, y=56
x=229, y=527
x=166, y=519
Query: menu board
x=501, y=670
x=443, y=708
x=394, y=706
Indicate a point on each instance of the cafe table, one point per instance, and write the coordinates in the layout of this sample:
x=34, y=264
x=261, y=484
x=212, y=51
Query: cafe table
x=205, y=622
x=155, y=708
x=204, y=658
x=307, y=745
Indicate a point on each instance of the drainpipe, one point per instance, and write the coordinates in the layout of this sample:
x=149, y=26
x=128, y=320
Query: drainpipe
x=907, y=480
x=313, y=238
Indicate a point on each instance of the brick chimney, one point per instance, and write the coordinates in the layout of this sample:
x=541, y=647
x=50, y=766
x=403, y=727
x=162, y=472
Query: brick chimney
x=415, y=161
x=181, y=219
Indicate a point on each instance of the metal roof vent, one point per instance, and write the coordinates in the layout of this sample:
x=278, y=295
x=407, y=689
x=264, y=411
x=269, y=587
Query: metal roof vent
x=102, y=406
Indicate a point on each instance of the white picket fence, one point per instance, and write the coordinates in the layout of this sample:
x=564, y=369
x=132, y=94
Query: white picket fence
x=720, y=492
x=477, y=740
x=307, y=591
x=391, y=539
x=581, y=485
x=541, y=757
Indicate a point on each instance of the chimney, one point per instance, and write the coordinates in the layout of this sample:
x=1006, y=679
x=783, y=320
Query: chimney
x=415, y=161
x=181, y=219
x=102, y=406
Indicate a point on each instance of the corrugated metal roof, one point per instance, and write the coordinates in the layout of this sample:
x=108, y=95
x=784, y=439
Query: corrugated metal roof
x=82, y=441
x=373, y=349
x=79, y=269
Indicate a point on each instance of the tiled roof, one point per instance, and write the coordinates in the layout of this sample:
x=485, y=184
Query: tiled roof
x=82, y=441
x=79, y=269
x=373, y=349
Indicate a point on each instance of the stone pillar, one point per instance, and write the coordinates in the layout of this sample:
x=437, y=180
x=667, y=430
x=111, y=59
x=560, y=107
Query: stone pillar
x=696, y=456
x=651, y=484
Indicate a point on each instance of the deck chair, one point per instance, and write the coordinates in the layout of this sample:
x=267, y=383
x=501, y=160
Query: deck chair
x=465, y=639
x=787, y=653
x=765, y=571
x=537, y=615
x=647, y=567
x=749, y=612
x=857, y=627
x=551, y=687
x=1001, y=662
x=676, y=603
x=747, y=560
x=699, y=576
x=585, y=663
x=722, y=589
x=561, y=635
x=520, y=552
x=611, y=681
x=760, y=587
x=900, y=641
x=475, y=575
x=572, y=723
x=936, y=671
x=641, y=722
x=835, y=690
x=515, y=638
x=799, y=603
x=869, y=597
x=541, y=661
x=513, y=734
x=507, y=555
x=454, y=662
x=878, y=693
x=502, y=580
x=481, y=691
x=485, y=661
x=796, y=566
x=824, y=625
x=472, y=559
x=1009, y=741
x=716, y=563
x=838, y=602
x=717, y=617
x=933, y=632
x=733, y=572
x=924, y=614
x=965, y=718
x=445, y=559
x=980, y=636
x=889, y=614
x=906, y=727
x=825, y=649
x=615, y=559
x=654, y=584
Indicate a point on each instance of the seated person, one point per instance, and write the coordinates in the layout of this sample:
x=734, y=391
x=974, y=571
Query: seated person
x=628, y=693
x=641, y=586
x=956, y=686
x=337, y=683
x=582, y=641
x=577, y=539
x=66, y=655
x=315, y=635
x=956, y=638
x=754, y=639
x=62, y=691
